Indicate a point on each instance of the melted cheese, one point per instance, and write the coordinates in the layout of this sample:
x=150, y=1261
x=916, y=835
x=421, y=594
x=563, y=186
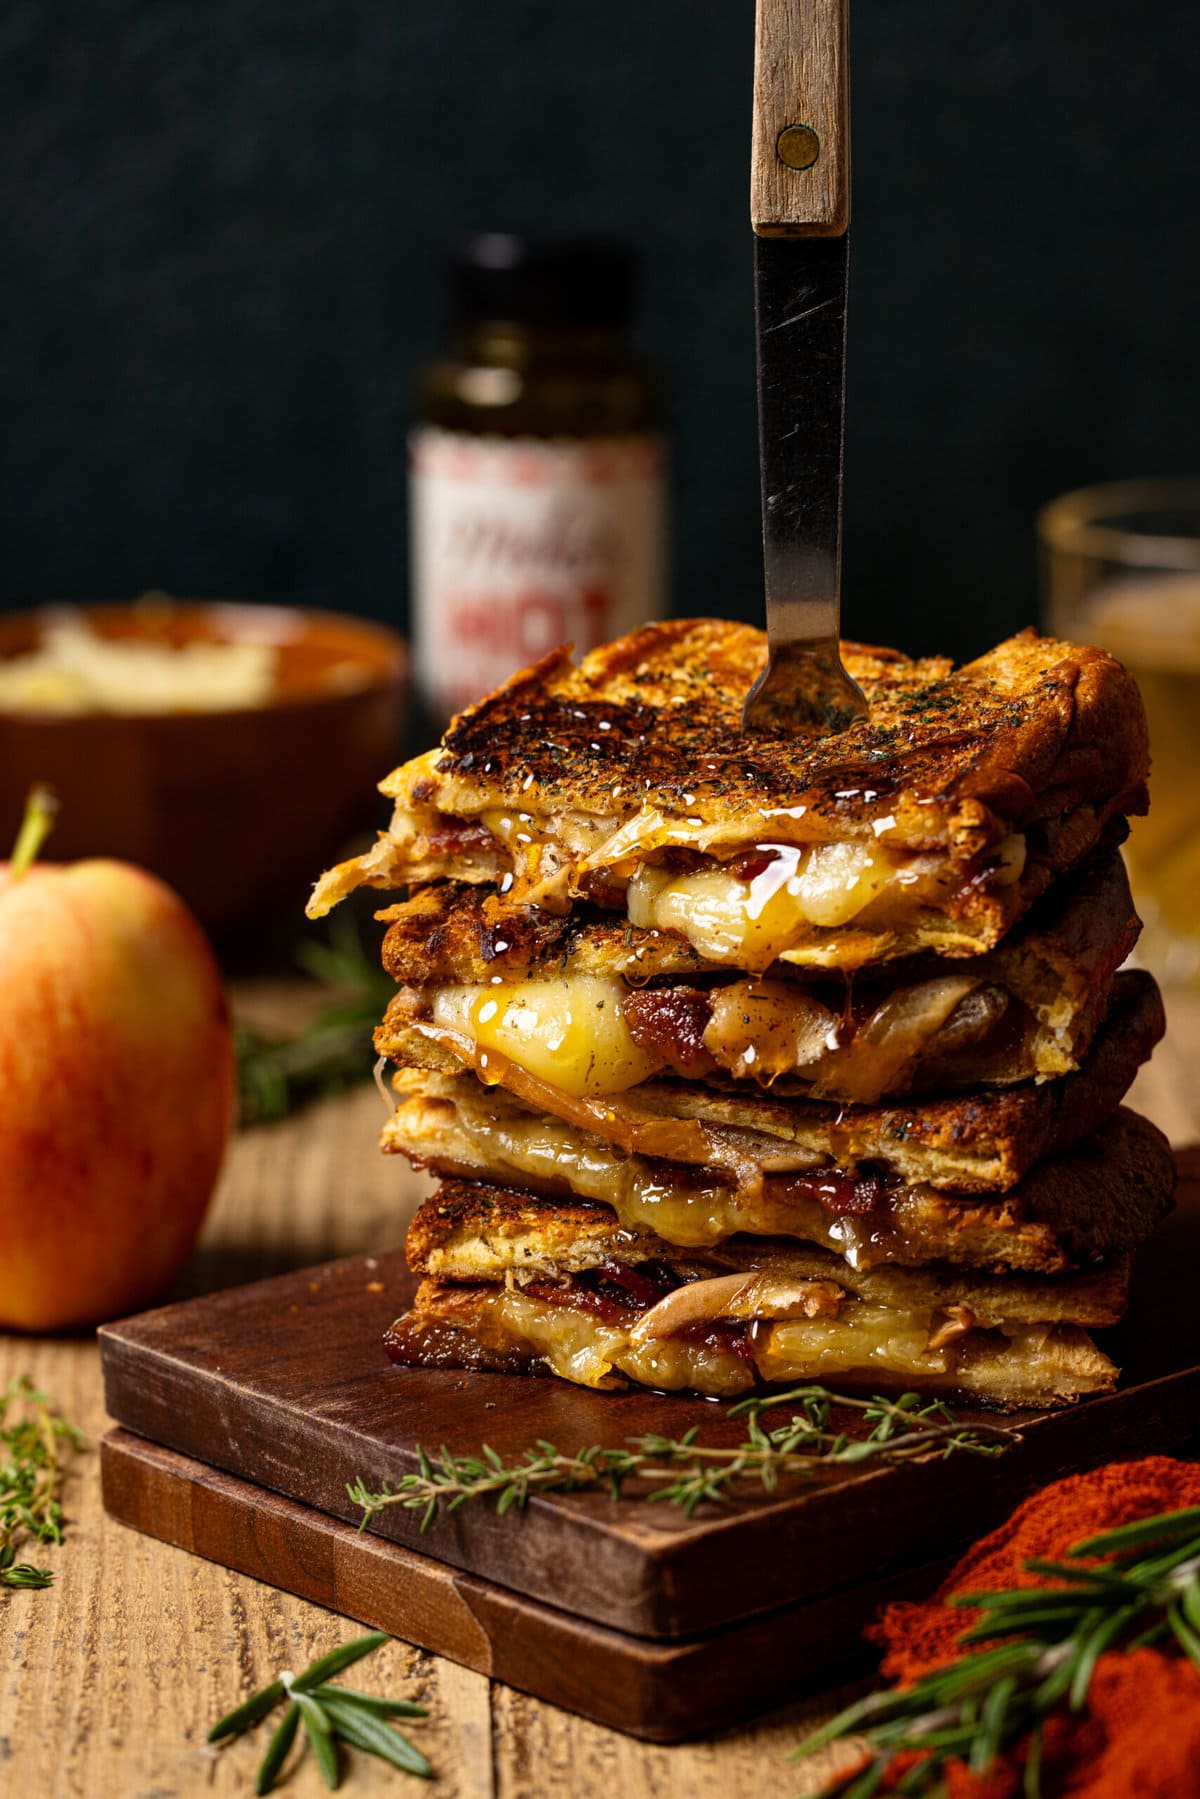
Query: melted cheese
x=519, y=1148
x=1031, y=1364
x=895, y=1344
x=822, y=886
x=580, y=1348
x=570, y=1032
x=918, y=1225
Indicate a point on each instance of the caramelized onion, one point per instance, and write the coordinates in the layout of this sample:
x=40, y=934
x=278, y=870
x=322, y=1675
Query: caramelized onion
x=893, y=1037
x=950, y=1323
x=842, y=1193
x=766, y=1028
x=736, y=1296
x=645, y=1285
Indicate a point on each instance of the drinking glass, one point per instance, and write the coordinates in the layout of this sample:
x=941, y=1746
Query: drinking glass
x=1120, y=567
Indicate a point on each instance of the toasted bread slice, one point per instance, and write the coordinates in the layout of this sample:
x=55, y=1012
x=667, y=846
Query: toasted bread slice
x=749, y=1314
x=950, y=808
x=1104, y=1196
x=979, y=1142
x=1025, y=1010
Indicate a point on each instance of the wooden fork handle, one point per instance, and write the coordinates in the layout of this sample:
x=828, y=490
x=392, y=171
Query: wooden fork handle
x=800, y=153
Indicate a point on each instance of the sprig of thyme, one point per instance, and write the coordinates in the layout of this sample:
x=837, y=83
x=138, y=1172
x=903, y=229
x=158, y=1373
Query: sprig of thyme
x=276, y=1074
x=684, y=1472
x=330, y=1715
x=30, y=1479
x=1141, y=1585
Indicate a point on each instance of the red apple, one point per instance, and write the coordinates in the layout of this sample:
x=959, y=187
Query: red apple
x=116, y=1090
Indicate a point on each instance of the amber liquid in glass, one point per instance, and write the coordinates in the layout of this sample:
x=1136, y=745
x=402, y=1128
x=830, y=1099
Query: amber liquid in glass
x=1151, y=623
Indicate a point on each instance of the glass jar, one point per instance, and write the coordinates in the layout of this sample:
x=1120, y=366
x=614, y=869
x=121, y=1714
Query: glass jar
x=1120, y=566
x=537, y=469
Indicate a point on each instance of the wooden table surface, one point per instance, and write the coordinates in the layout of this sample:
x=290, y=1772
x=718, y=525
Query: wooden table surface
x=111, y=1678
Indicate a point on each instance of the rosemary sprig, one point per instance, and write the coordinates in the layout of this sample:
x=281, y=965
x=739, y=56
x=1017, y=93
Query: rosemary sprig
x=1045, y=1642
x=684, y=1472
x=30, y=1479
x=277, y=1074
x=330, y=1714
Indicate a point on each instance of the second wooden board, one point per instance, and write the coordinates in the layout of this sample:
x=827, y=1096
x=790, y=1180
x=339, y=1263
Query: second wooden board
x=661, y=1691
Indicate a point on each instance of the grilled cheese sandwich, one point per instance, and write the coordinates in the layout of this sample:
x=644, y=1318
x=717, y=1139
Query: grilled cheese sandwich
x=794, y=1059
x=751, y=1313
x=1104, y=1196
x=599, y=1008
x=976, y=1143
x=933, y=824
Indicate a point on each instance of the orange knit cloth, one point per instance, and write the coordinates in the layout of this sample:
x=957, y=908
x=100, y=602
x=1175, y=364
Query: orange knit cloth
x=1139, y=1736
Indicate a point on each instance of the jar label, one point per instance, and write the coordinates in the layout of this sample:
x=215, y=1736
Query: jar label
x=520, y=545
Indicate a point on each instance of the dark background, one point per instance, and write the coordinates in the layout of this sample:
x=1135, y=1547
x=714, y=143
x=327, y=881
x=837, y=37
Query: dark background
x=221, y=220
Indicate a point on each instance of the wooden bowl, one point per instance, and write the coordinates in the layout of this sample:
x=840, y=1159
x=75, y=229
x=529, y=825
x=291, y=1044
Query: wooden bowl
x=239, y=810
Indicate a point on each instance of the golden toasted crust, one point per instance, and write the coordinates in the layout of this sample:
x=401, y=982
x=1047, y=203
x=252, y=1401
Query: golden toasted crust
x=454, y=933
x=1102, y=1197
x=640, y=748
x=474, y=1230
x=1029, y=731
x=1108, y=1194
x=979, y=1142
x=1061, y=963
x=451, y=1327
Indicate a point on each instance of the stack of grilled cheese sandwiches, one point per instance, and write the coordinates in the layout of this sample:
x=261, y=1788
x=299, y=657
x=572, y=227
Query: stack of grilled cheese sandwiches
x=760, y=1059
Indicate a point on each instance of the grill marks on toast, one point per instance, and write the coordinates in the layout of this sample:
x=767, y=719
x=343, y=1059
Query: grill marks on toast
x=1038, y=737
x=959, y=758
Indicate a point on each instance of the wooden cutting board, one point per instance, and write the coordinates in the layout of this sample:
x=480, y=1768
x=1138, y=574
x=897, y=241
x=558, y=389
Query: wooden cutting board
x=284, y=1384
x=658, y=1690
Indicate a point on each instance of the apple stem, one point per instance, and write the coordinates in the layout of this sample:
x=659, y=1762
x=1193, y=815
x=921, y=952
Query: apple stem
x=41, y=809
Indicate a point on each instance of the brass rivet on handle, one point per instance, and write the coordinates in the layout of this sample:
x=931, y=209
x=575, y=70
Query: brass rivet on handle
x=797, y=146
